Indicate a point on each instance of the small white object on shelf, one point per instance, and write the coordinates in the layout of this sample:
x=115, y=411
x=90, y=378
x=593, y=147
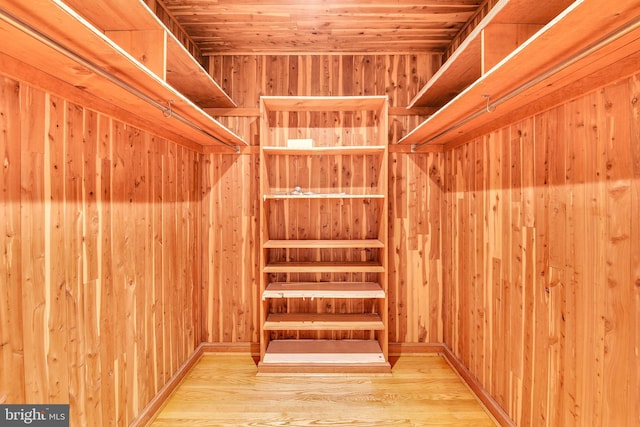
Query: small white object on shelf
x=300, y=143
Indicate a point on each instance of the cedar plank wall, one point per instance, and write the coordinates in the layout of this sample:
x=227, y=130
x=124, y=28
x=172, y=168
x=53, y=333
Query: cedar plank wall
x=542, y=261
x=231, y=185
x=99, y=242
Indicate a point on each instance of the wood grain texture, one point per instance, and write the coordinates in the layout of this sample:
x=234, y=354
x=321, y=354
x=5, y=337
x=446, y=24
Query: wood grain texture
x=472, y=23
x=541, y=275
x=300, y=26
x=223, y=390
x=99, y=292
x=12, y=345
x=415, y=255
x=533, y=280
x=84, y=58
x=503, y=28
x=230, y=248
x=231, y=191
x=247, y=77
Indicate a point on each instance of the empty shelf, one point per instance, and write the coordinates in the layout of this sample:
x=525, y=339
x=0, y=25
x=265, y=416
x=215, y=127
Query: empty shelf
x=557, y=52
x=324, y=267
x=323, y=103
x=323, y=290
x=324, y=351
x=323, y=196
x=84, y=57
x=323, y=322
x=323, y=244
x=471, y=59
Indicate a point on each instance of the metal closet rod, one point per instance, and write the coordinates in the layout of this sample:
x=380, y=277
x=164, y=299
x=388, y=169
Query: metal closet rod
x=166, y=110
x=609, y=38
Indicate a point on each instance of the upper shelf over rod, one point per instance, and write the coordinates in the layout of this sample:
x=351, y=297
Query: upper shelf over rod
x=507, y=25
x=126, y=21
x=613, y=35
x=53, y=38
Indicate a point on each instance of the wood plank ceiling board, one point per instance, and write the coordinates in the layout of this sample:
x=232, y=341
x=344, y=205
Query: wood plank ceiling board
x=294, y=26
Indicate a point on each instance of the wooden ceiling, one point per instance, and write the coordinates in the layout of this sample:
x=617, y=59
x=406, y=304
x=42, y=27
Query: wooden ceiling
x=308, y=26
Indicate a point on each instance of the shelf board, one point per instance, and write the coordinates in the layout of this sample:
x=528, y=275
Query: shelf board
x=323, y=356
x=58, y=22
x=323, y=322
x=320, y=151
x=323, y=103
x=323, y=290
x=548, y=53
x=324, y=352
x=465, y=65
x=322, y=244
x=284, y=196
x=183, y=71
x=189, y=77
x=324, y=267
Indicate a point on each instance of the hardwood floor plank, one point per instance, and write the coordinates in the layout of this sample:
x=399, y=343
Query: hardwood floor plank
x=224, y=390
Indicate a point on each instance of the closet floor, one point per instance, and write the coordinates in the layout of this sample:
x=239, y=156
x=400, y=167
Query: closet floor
x=224, y=390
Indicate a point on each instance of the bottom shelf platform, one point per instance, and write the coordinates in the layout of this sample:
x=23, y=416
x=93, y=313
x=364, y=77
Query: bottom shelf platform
x=324, y=356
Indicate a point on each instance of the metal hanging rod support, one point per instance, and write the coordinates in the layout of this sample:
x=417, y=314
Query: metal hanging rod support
x=167, y=111
x=609, y=38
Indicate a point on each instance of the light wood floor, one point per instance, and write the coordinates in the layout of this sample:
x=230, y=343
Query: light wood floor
x=223, y=390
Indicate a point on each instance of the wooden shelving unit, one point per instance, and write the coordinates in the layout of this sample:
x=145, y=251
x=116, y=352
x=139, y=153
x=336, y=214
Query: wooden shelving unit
x=539, y=73
x=51, y=35
x=324, y=235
